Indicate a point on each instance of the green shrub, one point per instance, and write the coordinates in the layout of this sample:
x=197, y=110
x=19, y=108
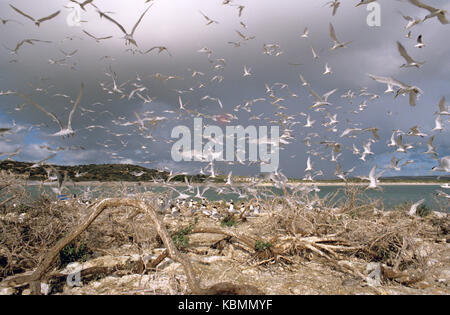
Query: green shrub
x=73, y=253
x=228, y=221
x=260, y=246
x=181, y=238
x=423, y=210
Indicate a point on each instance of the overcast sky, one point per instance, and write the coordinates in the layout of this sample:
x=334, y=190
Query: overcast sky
x=179, y=26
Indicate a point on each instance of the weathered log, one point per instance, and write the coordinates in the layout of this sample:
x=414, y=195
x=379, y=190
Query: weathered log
x=193, y=282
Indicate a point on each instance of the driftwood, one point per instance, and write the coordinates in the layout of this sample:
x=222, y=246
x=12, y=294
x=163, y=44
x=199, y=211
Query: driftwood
x=193, y=281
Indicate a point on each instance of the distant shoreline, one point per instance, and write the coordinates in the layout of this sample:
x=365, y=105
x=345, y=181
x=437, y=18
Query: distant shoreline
x=323, y=184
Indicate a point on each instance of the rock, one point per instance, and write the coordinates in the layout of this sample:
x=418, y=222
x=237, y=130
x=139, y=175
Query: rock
x=422, y=285
x=374, y=274
x=26, y=292
x=45, y=289
x=7, y=291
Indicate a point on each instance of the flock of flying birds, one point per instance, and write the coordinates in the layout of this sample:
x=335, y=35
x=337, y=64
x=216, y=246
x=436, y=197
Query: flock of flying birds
x=146, y=122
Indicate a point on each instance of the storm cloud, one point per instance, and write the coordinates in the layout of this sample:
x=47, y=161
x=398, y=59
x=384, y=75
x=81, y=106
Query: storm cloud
x=179, y=26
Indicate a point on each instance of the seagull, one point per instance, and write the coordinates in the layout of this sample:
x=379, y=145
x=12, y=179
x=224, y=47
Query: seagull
x=321, y=101
x=4, y=21
x=413, y=91
x=411, y=22
x=439, y=13
x=42, y=162
x=315, y=55
x=175, y=211
x=37, y=22
x=419, y=44
x=444, y=165
x=400, y=146
x=246, y=38
x=442, y=194
x=82, y=5
x=335, y=5
x=410, y=62
x=309, y=122
x=443, y=110
x=160, y=50
x=337, y=43
x=247, y=71
x=65, y=131
x=128, y=37
x=413, y=209
x=438, y=124
x=308, y=165
x=340, y=174
x=364, y=2
x=97, y=39
x=229, y=179
x=209, y=21
x=305, y=33
x=431, y=149
x=327, y=70
x=25, y=41
x=389, y=89
x=373, y=178
x=367, y=150
x=414, y=131
x=11, y=154
x=181, y=103
x=394, y=164
x=68, y=55
x=61, y=179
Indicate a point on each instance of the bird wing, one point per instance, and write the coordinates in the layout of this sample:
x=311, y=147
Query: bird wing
x=328, y=94
x=335, y=7
x=333, y=34
x=314, y=52
x=442, y=19
x=317, y=97
x=77, y=102
x=241, y=35
x=112, y=20
x=423, y=6
x=22, y=13
x=388, y=80
x=303, y=80
x=53, y=116
x=404, y=54
x=140, y=19
x=412, y=98
x=442, y=107
x=51, y=16
x=90, y=35
x=338, y=168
